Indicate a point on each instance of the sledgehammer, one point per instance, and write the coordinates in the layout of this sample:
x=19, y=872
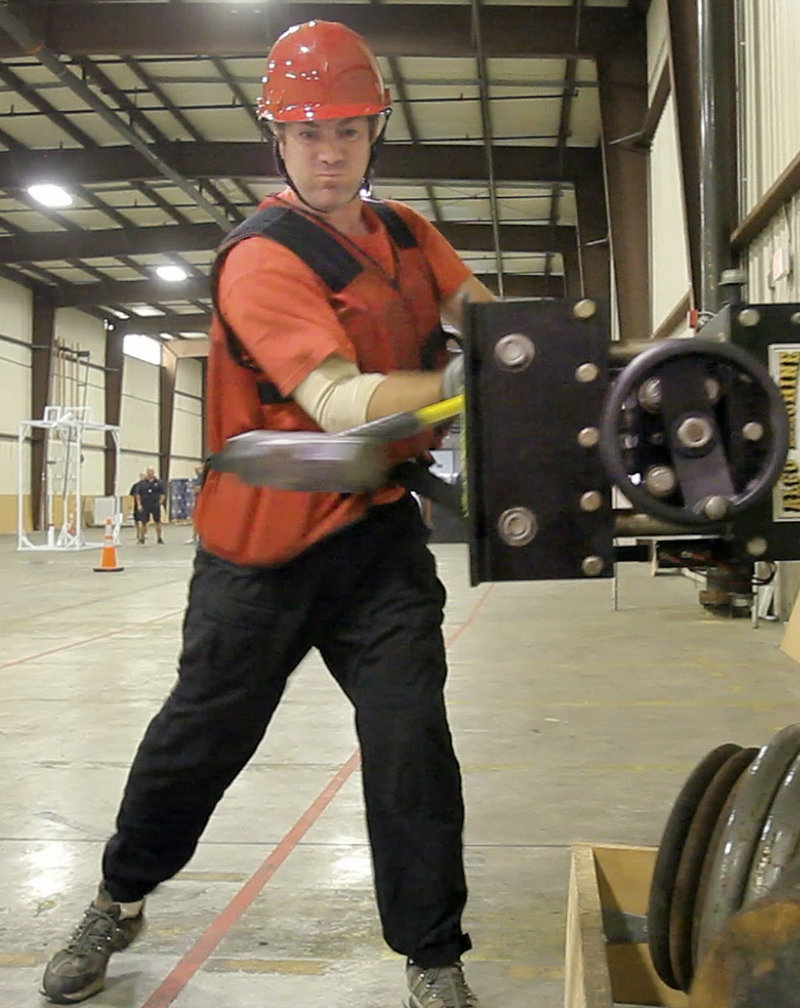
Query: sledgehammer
x=353, y=461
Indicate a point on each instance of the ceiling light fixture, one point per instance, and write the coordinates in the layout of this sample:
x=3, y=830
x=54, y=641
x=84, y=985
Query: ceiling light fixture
x=172, y=274
x=50, y=195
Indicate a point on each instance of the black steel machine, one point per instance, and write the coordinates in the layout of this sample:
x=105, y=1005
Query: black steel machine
x=581, y=451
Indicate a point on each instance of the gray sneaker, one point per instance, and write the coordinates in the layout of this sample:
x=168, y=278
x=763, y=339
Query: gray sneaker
x=439, y=987
x=79, y=969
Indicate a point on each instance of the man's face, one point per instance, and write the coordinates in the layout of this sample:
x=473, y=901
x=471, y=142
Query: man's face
x=150, y=474
x=326, y=160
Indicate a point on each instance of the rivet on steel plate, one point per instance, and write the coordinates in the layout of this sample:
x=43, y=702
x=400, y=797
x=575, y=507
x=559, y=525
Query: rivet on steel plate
x=591, y=501
x=749, y=317
x=586, y=372
x=695, y=432
x=649, y=394
x=514, y=352
x=715, y=507
x=517, y=526
x=584, y=309
x=713, y=389
x=757, y=546
x=588, y=437
x=660, y=480
x=753, y=431
x=592, y=566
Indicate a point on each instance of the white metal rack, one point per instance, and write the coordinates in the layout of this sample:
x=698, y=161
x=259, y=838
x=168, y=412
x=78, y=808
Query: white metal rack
x=64, y=427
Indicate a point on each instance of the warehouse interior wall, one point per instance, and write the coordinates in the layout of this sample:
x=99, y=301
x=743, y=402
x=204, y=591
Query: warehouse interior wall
x=79, y=379
x=768, y=34
x=670, y=279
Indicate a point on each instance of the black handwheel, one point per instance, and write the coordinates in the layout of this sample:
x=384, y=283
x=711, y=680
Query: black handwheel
x=694, y=430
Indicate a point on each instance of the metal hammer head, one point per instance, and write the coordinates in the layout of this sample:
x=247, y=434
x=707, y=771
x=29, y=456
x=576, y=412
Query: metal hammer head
x=305, y=460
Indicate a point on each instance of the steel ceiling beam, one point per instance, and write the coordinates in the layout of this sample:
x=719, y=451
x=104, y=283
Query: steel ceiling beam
x=173, y=323
x=146, y=128
x=253, y=159
x=48, y=246
x=127, y=292
x=150, y=29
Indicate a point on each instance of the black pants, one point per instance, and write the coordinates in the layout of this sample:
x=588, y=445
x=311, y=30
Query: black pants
x=369, y=599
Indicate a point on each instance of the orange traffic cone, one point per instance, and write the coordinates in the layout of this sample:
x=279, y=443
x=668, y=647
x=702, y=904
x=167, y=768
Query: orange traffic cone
x=108, y=557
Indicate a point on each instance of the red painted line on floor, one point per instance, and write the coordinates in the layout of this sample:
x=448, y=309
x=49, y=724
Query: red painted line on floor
x=195, y=958
x=89, y=640
x=166, y=993
x=471, y=618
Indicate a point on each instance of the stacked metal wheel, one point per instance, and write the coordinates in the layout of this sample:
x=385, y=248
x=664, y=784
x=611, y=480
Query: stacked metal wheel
x=731, y=836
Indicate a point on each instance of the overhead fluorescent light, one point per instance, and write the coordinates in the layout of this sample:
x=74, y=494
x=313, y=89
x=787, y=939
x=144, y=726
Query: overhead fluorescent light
x=146, y=311
x=50, y=195
x=172, y=274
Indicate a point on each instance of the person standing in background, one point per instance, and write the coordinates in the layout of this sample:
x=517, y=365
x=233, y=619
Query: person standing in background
x=151, y=497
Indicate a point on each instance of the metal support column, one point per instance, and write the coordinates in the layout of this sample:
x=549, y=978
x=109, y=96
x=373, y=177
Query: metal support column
x=114, y=368
x=42, y=340
x=166, y=409
x=622, y=82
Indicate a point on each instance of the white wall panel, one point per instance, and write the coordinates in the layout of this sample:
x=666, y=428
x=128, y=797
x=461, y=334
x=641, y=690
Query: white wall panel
x=187, y=421
x=15, y=379
x=772, y=258
x=139, y=417
x=657, y=41
x=189, y=376
x=669, y=256
x=769, y=43
x=16, y=306
x=769, y=126
x=187, y=436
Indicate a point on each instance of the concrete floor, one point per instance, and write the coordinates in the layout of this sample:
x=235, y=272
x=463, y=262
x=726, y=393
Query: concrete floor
x=573, y=721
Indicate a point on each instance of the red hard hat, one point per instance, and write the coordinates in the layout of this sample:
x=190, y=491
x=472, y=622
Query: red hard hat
x=321, y=70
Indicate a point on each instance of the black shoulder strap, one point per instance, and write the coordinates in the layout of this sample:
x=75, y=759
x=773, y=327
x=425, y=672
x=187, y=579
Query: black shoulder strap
x=399, y=231
x=317, y=248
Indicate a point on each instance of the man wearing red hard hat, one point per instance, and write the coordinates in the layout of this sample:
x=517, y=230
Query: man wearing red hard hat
x=328, y=314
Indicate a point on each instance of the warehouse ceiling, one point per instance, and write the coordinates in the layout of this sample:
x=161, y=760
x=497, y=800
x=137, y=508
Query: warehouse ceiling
x=143, y=110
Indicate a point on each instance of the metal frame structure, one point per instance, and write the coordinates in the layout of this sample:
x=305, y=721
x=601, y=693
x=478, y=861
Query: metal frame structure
x=64, y=428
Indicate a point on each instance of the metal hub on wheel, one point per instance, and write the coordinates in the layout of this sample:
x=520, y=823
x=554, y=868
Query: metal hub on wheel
x=694, y=431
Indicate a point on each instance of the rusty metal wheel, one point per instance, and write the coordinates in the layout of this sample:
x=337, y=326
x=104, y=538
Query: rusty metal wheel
x=695, y=848
x=705, y=871
x=780, y=838
x=741, y=830
x=669, y=855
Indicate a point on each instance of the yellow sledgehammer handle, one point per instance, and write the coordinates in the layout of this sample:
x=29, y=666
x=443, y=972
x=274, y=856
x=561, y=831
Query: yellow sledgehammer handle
x=437, y=412
x=401, y=425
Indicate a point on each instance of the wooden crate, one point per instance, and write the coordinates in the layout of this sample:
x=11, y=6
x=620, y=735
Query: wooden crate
x=607, y=959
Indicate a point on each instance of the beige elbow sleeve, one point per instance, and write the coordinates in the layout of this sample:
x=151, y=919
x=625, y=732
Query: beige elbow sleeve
x=336, y=394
